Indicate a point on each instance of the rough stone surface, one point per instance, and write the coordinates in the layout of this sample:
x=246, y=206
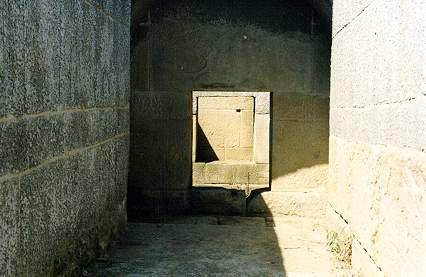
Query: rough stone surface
x=230, y=173
x=64, y=82
x=233, y=249
x=211, y=200
x=194, y=45
x=160, y=164
x=378, y=191
x=378, y=131
x=225, y=125
x=304, y=204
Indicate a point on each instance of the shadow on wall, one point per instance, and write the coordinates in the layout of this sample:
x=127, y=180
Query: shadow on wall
x=278, y=46
x=205, y=152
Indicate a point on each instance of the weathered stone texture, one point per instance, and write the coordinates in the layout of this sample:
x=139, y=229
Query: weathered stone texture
x=379, y=191
x=160, y=164
x=226, y=125
x=64, y=74
x=378, y=132
x=303, y=204
x=191, y=45
x=230, y=173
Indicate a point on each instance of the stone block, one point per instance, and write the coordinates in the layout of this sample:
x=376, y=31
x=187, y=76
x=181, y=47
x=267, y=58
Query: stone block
x=362, y=264
x=299, y=147
x=261, y=138
x=225, y=103
x=290, y=106
x=157, y=201
x=246, y=129
x=12, y=158
x=218, y=201
x=239, y=220
x=239, y=154
x=302, y=179
x=9, y=226
x=318, y=109
x=194, y=138
x=345, y=12
x=43, y=139
x=161, y=154
x=366, y=178
x=263, y=103
x=198, y=173
x=219, y=173
x=388, y=70
x=304, y=204
x=157, y=105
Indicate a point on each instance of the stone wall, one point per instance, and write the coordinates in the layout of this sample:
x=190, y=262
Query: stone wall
x=378, y=134
x=224, y=128
x=64, y=86
x=161, y=144
x=277, y=46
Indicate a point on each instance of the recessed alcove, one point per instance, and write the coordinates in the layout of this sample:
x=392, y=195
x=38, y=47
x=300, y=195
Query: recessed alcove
x=231, y=132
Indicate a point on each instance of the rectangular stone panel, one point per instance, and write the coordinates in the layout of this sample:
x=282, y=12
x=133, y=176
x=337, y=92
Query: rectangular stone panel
x=261, y=138
x=225, y=103
x=9, y=226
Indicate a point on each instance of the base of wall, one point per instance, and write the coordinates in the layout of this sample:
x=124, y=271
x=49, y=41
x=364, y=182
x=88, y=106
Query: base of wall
x=90, y=244
x=360, y=261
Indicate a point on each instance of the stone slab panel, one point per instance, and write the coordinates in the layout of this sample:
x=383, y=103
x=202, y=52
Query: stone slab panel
x=161, y=154
x=225, y=103
x=302, y=179
x=345, y=12
x=218, y=201
x=160, y=105
x=389, y=51
x=378, y=190
x=261, y=138
x=239, y=154
x=230, y=173
x=362, y=264
x=398, y=124
x=289, y=107
x=302, y=204
x=246, y=129
x=9, y=226
x=299, y=155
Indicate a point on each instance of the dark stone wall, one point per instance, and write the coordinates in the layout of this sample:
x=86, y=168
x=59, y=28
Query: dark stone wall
x=160, y=164
x=64, y=109
x=274, y=45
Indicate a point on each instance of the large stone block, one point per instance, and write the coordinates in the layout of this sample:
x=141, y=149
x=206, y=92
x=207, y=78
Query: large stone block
x=362, y=264
x=302, y=179
x=218, y=201
x=230, y=173
x=345, y=12
x=299, y=154
x=261, y=138
x=246, y=129
x=239, y=154
x=12, y=61
x=377, y=189
x=289, y=106
x=304, y=204
x=398, y=124
x=43, y=138
x=12, y=142
x=9, y=226
x=389, y=49
x=225, y=103
x=161, y=154
x=157, y=105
